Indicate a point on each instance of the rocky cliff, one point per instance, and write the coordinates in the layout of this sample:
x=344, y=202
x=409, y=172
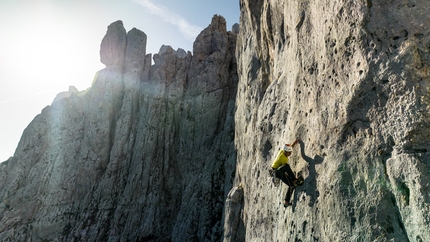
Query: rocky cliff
x=180, y=150
x=146, y=154
x=351, y=80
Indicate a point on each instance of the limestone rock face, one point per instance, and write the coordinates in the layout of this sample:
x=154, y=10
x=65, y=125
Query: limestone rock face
x=233, y=226
x=112, y=48
x=146, y=154
x=134, y=62
x=351, y=80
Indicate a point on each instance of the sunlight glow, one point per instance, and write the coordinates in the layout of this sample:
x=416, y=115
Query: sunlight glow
x=42, y=53
x=32, y=95
x=48, y=54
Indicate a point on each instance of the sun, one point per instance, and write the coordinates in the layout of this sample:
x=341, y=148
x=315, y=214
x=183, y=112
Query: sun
x=48, y=54
x=47, y=51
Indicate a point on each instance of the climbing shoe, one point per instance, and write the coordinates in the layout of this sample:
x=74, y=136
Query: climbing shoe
x=299, y=181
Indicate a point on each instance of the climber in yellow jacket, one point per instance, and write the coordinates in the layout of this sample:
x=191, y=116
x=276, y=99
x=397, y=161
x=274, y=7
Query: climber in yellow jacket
x=282, y=170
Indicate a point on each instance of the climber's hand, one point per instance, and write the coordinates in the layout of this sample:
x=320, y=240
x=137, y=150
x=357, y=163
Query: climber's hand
x=271, y=172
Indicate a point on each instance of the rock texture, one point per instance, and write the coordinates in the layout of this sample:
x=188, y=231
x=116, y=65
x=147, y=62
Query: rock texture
x=146, y=154
x=351, y=79
x=180, y=150
x=61, y=95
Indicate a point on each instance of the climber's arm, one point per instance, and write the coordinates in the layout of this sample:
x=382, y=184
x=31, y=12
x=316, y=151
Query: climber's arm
x=295, y=142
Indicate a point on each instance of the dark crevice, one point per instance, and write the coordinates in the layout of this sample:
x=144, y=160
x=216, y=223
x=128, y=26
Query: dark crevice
x=401, y=224
x=266, y=150
x=302, y=19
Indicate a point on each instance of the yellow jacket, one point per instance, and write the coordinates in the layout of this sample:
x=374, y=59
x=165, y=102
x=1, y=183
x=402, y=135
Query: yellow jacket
x=281, y=159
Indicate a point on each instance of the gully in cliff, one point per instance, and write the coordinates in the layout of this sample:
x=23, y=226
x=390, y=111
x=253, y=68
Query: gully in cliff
x=281, y=170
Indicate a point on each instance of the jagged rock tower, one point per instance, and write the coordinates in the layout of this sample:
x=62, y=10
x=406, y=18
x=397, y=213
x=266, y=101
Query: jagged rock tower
x=146, y=154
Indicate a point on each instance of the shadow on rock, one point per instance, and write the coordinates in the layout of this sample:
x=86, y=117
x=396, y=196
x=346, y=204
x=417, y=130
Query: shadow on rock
x=310, y=184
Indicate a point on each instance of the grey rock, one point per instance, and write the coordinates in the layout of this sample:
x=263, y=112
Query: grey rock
x=235, y=28
x=142, y=155
x=180, y=150
x=112, y=48
x=61, y=95
x=134, y=62
x=211, y=40
x=233, y=226
x=351, y=79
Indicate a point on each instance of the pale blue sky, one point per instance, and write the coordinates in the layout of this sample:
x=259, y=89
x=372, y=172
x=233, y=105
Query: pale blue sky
x=48, y=45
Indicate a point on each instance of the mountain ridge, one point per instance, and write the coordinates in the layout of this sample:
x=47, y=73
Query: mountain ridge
x=126, y=143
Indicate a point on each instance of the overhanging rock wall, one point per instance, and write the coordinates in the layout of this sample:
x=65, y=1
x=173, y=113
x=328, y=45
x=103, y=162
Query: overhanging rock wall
x=351, y=79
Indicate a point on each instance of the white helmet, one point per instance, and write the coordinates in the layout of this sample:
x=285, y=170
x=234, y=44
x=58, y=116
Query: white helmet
x=288, y=148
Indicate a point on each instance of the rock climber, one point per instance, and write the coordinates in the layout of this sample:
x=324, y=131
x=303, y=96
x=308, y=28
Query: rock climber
x=282, y=170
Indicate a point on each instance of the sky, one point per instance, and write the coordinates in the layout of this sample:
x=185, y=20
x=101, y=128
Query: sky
x=48, y=45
